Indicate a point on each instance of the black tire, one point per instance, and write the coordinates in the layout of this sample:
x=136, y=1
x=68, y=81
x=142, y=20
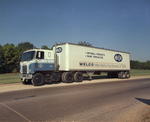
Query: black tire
x=78, y=77
x=68, y=77
x=38, y=79
x=63, y=77
x=119, y=75
x=123, y=75
x=127, y=74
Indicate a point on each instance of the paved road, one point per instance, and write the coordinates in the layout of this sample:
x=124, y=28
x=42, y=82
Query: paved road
x=104, y=102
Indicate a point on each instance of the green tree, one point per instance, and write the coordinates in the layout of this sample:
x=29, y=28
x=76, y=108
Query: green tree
x=135, y=64
x=139, y=65
x=2, y=62
x=147, y=64
x=45, y=47
x=26, y=45
x=9, y=56
x=85, y=43
x=18, y=54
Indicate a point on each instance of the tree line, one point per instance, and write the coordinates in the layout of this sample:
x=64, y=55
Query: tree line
x=10, y=57
x=139, y=65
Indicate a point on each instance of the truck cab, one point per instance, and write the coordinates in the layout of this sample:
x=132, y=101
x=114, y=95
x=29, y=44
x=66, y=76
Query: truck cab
x=34, y=61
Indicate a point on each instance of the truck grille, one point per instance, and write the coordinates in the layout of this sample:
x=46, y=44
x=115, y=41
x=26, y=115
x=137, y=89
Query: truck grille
x=24, y=69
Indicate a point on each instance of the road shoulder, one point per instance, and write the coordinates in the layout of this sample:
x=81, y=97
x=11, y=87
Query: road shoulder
x=20, y=86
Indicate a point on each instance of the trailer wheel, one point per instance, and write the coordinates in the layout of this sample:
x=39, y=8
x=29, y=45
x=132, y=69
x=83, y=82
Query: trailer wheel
x=123, y=75
x=63, y=77
x=78, y=76
x=38, y=79
x=127, y=74
x=68, y=77
x=119, y=75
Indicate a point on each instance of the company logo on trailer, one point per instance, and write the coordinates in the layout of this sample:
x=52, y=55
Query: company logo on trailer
x=118, y=58
x=86, y=64
x=59, y=50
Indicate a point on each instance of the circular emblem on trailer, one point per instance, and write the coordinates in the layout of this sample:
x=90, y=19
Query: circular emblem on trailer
x=118, y=58
x=59, y=50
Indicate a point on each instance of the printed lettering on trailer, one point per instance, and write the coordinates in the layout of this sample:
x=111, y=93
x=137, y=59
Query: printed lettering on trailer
x=94, y=55
x=101, y=65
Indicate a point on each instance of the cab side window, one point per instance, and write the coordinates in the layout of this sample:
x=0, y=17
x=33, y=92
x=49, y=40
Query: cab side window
x=40, y=55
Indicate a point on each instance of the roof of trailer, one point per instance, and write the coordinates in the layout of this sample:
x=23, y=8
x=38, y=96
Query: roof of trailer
x=91, y=47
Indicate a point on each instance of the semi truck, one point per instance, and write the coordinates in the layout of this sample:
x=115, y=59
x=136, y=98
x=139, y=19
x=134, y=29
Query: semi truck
x=67, y=62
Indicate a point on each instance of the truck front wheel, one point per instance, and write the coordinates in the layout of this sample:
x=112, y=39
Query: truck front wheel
x=38, y=79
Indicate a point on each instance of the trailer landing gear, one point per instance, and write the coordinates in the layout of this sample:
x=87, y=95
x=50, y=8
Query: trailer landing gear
x=90, y=74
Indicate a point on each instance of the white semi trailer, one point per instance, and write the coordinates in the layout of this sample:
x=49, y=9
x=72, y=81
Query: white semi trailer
x=67, y=62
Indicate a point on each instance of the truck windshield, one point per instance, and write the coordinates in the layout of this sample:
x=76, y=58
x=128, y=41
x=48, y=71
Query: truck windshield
x=27, y=56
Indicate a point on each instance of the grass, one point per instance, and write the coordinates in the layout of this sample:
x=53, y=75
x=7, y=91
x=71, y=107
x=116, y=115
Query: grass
x=136, y=72
x=9, y=78
x=14, y=77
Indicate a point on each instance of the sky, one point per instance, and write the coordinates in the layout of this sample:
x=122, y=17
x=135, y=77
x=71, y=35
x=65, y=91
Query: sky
x=122, y=25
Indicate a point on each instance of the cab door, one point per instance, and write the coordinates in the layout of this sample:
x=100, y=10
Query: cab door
x=44, y=61
x=40, y=61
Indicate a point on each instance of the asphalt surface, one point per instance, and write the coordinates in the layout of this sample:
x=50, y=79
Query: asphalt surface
x=127, y=100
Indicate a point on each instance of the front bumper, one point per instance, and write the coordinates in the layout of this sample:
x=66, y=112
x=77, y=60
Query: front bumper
x=25, y=76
